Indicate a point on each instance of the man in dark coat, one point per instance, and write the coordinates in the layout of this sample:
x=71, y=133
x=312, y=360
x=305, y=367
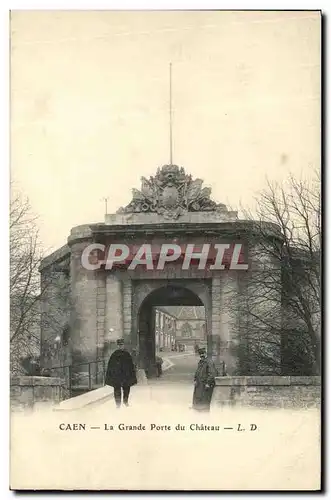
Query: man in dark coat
x=204, y=382
x=121, y=374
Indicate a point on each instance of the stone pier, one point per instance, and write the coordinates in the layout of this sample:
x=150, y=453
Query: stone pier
x=114, y=308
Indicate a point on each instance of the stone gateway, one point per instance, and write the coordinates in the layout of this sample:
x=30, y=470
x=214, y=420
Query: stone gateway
x=84, y=310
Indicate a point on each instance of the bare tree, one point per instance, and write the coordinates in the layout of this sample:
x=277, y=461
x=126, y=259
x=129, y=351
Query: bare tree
x=25, y=258
x=280, y=310
x=34, y=303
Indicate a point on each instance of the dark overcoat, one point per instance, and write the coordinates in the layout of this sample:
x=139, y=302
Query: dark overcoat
x=204, y=376
x=120, y=370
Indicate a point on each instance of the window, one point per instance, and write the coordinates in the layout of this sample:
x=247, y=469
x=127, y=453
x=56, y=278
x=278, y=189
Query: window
x=186, y=330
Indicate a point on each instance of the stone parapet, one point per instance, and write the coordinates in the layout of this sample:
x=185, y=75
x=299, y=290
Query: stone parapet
x=26, y=391
x=257, y=380
x=268, y=391
x=192, y=222
x=151, y=218
x=77, y=233
x=59, y=255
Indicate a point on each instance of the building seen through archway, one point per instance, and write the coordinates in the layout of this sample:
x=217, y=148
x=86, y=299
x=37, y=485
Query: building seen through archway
x=180, y=325
x=161, y=321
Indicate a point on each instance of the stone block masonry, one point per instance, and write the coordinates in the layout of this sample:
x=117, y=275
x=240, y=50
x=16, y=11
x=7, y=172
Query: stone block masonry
x=101, y=305
x=114, y=308
x=268, y=391
x=26, y=391
x=84, y=314
x=101, y=312
x=127, y=309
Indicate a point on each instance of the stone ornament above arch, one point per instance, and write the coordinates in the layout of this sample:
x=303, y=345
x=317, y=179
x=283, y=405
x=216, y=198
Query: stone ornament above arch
x=172, y=193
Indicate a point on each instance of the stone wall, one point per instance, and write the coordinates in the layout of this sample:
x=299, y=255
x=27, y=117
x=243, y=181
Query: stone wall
x=100, y=306
x=27, y=391
x=268, y=391
x=55, y=305
x=154, y=218
x=101, y=302
x=87, y=293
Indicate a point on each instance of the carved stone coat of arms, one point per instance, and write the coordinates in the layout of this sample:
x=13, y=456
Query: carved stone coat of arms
x=171, y=193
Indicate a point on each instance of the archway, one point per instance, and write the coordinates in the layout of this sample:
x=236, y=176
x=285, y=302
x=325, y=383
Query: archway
x=169, y=295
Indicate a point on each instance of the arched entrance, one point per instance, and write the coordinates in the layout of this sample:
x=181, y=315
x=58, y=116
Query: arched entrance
x=169, y=295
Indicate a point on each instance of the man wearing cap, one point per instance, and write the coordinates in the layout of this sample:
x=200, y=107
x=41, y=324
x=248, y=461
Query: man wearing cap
x=121, y=374
x=204, y=382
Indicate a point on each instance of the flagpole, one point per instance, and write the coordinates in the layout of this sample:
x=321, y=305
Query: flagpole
x=170, y=110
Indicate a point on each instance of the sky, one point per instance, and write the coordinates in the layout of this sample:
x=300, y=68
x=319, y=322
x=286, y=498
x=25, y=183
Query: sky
x=90, y=105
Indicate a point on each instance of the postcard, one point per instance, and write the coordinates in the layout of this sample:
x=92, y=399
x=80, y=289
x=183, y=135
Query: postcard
x=165, y=239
